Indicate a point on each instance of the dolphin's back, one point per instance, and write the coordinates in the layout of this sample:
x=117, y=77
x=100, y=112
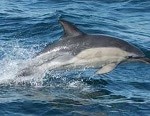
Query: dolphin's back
x=79, y=43
x=74, y=41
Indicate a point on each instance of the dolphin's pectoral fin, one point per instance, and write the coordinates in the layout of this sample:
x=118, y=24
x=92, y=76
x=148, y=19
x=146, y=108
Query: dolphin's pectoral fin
x=107, y=68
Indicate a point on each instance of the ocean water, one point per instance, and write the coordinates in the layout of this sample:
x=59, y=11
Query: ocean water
x=27, y=26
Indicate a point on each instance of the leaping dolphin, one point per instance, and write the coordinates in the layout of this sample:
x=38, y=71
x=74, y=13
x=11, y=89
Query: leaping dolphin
x=77, y=49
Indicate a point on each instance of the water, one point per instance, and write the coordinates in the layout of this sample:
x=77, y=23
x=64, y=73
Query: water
x=26, y=26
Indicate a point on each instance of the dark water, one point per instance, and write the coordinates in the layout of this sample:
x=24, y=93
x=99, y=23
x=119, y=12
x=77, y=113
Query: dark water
x=26, y=26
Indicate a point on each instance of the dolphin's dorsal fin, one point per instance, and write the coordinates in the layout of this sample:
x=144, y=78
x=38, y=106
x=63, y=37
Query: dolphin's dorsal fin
x=69, y=28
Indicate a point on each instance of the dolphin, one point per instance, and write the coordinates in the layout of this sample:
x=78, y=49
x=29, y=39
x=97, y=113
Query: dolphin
x=77, y=49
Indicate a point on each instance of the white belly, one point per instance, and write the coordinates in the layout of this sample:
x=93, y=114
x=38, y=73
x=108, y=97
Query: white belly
x=94, y=57
x=97, y=57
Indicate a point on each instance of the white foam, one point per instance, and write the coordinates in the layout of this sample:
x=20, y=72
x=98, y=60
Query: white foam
x=16, y=58
x=13, y=59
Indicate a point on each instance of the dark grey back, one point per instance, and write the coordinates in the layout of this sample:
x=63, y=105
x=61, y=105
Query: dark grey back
x=77, y=41
x=76, y=44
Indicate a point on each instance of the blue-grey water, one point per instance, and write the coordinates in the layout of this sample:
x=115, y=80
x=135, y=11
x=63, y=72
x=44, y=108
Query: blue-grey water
x=27, y=26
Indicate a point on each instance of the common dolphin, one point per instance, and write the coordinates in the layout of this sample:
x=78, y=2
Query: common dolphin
x=78, y=49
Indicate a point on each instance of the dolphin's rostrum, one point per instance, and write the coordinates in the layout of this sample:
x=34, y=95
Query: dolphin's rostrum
x=78, y=49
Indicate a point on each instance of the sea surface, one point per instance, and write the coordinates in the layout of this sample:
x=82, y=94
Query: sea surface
x=27, y=26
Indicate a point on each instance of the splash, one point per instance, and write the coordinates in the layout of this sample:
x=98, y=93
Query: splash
x=14, y=58
x=17, y=58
